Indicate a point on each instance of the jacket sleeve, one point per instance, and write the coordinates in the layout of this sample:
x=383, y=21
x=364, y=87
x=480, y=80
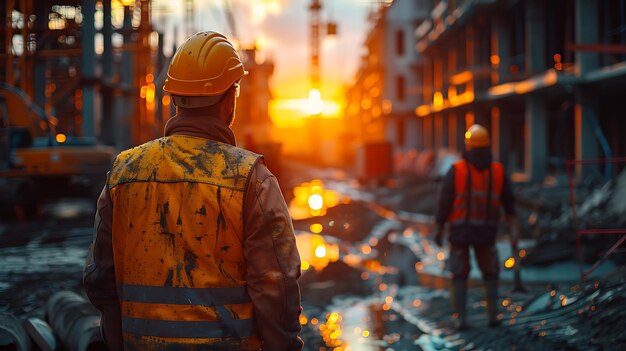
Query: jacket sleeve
x=99, y=272
x=273, y=262
x=446, y=198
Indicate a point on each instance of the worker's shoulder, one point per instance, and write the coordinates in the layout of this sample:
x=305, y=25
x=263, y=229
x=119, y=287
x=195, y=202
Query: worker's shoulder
x=138, y=150
x=241, y=152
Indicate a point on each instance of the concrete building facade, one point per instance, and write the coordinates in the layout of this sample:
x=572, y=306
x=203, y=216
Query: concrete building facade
x=381, y=102
x=545, y=77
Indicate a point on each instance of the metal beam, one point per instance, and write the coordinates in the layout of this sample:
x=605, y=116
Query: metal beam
x=595, y=47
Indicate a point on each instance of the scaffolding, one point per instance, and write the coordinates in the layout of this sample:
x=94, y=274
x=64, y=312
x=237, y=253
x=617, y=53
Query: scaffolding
x=80, y=74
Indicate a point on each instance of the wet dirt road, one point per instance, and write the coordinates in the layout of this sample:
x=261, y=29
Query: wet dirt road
x=42, y=256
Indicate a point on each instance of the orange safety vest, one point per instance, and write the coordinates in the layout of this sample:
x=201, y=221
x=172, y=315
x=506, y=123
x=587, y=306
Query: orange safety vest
x=477, y=194
x=178, y=245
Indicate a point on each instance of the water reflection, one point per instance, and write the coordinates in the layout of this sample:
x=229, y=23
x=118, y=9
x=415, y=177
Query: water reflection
x=370, y=325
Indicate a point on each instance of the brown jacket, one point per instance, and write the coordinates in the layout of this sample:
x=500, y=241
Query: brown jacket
x=269, y=248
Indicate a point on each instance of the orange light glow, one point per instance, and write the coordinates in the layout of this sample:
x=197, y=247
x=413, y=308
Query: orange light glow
x=509, y=263
x=166, y=100
x=320, y=251
x=419, y=266
x=495, y=60
x=387, y=106
x=366, y=249
x=417, y=303
x=316, y=228
x=303, y=320
x=382, y=287
x=61, y=138
x=461, y=78
x=422, y=110
x=438, y=99
x=502, y=89
x=389, y=299
x=150, y=93
x=316, y=202
x=293, y=113
x=314, y=321
x=441, y=256
x=522, y=253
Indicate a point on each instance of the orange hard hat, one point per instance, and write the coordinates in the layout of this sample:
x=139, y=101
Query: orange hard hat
x=202, y=69
x=477, y=136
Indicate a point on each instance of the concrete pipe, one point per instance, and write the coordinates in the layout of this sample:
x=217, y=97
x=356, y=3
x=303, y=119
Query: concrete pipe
x=41, y=334
x=75, y=321
x=12, y=334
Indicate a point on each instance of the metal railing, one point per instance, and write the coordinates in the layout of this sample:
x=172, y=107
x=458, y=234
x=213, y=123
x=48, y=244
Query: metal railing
x=580, y=232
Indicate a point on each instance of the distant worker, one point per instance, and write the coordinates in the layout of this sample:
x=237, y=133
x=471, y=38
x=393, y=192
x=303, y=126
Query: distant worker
x=194, y=248
x=472, y=194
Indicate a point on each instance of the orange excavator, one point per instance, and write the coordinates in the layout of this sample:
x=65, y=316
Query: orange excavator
x=37, y=164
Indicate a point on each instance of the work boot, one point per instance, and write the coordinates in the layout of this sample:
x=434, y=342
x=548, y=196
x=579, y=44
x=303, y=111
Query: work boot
x=491, y=292
x=458, y=296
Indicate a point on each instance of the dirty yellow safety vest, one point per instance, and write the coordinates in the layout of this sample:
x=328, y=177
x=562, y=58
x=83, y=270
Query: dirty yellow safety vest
x=178, y=245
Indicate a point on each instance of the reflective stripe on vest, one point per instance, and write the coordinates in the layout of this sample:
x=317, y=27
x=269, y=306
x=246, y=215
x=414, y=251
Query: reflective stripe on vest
x=178, y=243
x=477, y=194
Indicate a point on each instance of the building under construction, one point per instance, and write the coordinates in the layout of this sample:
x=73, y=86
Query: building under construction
x=544, y=76
x=81, y=80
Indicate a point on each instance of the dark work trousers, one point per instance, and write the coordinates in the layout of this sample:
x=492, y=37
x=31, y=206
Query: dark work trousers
x=486, y=255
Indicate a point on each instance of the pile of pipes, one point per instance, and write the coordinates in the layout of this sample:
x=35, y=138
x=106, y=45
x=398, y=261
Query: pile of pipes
x=72, y=324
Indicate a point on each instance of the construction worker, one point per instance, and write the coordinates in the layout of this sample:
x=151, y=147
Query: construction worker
x=194, y=247
x=472, y=194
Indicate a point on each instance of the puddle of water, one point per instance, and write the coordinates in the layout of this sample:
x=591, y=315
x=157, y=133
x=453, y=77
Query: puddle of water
x=367, y=325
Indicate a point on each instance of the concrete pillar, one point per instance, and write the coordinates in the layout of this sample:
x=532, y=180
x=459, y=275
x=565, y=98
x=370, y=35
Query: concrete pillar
x=501, y=48
x=410, y=133
x=125, y=120
x=460, y=132
x=586, y=31
x=88, y=66
x=107, y=125
x=536, y=160
x=391, y=132
x=420, y=133
x=40, y=80
x=536, y=57
x=3, y=46
x=500, y=135
x=586, y=141
x=428, y=132
x=453, y=143
x=441, y=137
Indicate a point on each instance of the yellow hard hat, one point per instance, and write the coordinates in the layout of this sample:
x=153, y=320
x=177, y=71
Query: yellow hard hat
x=203, y=69
x=477, y=136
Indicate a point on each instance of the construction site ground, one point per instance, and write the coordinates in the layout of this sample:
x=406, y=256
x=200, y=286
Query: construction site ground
x=373, y=311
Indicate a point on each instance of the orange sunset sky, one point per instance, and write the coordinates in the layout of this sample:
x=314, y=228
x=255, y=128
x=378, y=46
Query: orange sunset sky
x=280, y=29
